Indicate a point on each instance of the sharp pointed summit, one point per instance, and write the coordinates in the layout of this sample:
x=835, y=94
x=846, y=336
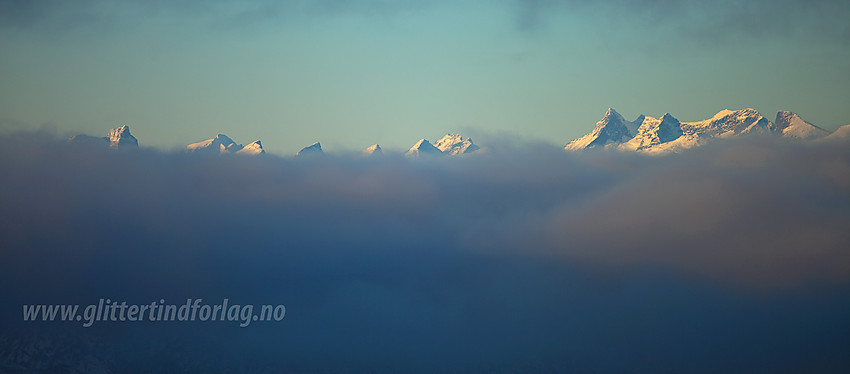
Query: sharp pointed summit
x=255, y=148
x=610, y=130
x=121, y=137
x=373, y=150
x=117, y=138
x=793, y=126
x=423, y=148
x=314, y=149
x=653, y=132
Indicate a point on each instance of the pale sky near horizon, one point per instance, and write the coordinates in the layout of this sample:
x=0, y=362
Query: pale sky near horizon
x=354, y=73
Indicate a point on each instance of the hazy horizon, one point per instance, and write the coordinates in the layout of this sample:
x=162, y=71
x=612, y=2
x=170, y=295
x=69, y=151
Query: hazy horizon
x=354, y=74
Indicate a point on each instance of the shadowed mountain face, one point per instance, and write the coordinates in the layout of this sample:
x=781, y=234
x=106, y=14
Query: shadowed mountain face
x=373, y=150
x=612, y=129
x=423, y=148
x=652, y=132
x=314, y=149
x=121, y=137
x=730, y=258
x=792, y=125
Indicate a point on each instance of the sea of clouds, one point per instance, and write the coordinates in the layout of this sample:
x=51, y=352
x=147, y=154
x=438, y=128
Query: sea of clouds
x=734, y=257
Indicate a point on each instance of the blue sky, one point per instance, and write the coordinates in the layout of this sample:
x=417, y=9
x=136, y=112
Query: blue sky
x=350, y=74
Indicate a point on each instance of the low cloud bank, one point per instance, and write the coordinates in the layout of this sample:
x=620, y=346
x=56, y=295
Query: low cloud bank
x=732, y=257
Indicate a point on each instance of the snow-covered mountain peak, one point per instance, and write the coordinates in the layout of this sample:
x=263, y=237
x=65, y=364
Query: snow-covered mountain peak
x=223, y=139
x=314, y=149
x=793, y=126
x=423, y=148
x=722, y=114
x=224, y=144
x=612, y=113
x=654, y=132
x=840, y=134
x=729, y=123
x=610, y=130
x=119, y=137
x=373, y=150
x=455, y=145
x=255, y=148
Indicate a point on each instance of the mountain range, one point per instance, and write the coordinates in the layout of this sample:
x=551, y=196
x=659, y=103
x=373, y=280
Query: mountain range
x=223, y=144
x=668, y=134
x=645, y=134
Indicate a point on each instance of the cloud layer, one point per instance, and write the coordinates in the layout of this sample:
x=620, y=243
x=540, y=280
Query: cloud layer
x=718, y=21
x=731, y=257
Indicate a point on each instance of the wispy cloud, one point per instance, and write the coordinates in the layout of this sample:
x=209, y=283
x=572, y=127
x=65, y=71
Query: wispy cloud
x=708, y=22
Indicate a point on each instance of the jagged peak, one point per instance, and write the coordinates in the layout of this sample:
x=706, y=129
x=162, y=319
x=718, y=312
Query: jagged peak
x=749, y=112
x=668, y=117
x=373, y=150
x=423, y=146
x=312, y=149
x=121, y=136
x=223, y=138
x=422, y=142
x=787, y=118
x=791, y=125
x=254, y=148
x=454, y=144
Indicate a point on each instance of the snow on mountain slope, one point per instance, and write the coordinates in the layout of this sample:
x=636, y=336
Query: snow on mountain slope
x=455, y=145
x=373, y=150
x=653, y=131
x=729, y=123
x=667, y=134
x=255, y=148
x=793, y=126
x=314, y=149
x=423, y=148
x=223, y=144
x=220, y=144
x=121, y=137
x=634, y=125
x=840, y=134
x=611, y=130
x=117, y=138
